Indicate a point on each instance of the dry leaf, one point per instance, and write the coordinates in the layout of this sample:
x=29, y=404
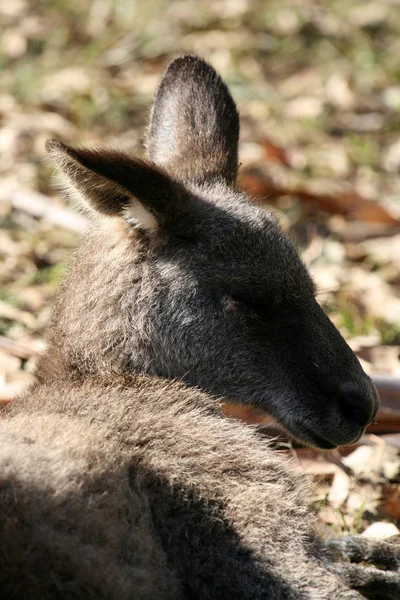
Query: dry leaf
x=339, y=489
x=390, y=505
x=351, y=204
x=380, y=530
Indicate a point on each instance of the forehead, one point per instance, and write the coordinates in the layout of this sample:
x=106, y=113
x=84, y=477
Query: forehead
x=243, y=242
x=223, y=214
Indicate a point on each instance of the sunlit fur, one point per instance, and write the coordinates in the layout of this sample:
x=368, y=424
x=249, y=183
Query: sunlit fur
x=119, y=477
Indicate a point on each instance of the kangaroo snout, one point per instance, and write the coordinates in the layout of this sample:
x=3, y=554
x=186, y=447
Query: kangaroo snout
x=359, y=403
x=343, y=413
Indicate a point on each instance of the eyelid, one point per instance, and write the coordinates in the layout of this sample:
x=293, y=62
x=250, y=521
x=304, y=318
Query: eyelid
x=267, y=310
x=277, y=315
x=253, y=304
x=183, y=237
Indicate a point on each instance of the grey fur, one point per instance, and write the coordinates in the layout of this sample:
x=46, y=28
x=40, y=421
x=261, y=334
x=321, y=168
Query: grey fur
x=120, y=478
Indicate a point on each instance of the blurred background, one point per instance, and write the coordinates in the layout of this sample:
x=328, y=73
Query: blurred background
x=317, y=84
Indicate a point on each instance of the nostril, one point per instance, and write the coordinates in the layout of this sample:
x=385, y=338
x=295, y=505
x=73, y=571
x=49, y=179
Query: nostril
x=356, y=406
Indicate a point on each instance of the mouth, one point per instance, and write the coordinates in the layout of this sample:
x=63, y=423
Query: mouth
x=307, y=436
x=312, y=439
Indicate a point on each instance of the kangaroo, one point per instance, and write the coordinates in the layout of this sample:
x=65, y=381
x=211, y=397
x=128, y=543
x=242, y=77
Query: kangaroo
x=120, y=478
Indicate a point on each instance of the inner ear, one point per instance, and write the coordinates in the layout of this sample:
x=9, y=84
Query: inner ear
x=117, y=183
x=194, y=124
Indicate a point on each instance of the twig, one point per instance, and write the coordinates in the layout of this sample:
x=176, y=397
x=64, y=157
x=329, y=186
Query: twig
x=39, y=205
x=24, y=350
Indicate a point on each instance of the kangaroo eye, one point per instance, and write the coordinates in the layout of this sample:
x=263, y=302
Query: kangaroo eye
x=246, y=300
x=257, y=307
x=265, y=310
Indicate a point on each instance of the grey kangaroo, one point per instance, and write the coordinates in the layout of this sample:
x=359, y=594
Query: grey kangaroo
x=120, y=478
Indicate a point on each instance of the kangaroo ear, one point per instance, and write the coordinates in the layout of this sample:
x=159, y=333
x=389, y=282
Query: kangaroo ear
x=194, y=124
x=118, y=184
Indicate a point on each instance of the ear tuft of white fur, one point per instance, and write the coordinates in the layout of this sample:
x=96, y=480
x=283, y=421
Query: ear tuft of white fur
x=86, y=180
x=138, y=216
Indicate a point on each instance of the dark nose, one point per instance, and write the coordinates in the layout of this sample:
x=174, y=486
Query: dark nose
x=359, y=406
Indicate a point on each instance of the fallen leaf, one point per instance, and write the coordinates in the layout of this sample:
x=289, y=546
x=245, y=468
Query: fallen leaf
x=351, y=204
x=390, y=505
x=380, y=530
x=273, y=151
x=339, y=489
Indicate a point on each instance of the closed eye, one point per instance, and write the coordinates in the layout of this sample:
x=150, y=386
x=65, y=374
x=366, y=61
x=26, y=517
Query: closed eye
x=277, y=313
x=259, y=309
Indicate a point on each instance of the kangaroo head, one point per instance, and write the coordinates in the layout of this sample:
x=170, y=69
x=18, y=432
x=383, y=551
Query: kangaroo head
x=183, y=277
